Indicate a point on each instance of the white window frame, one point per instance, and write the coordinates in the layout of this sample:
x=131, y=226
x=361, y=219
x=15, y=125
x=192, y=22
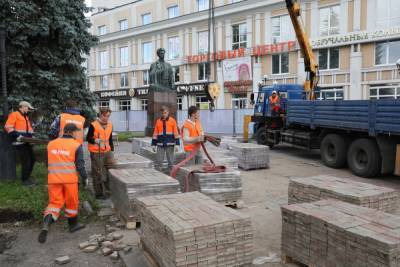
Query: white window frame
x=175, y=9
x=202, y=102
x=243, y=103
x=386, y=43
x=335, y=91
x=103, y=82
x=202, y=5
x=241, y=36
x=144, y=16
x=124, y=104
x=103, y=60
x=123, y=56
x=179, y=102
x=174, y=72
x=173, y=47
x=124, y=80
x=388, y=19
x=143, y=104
x=200, y=35
x=123, y=24
x=331, y=30
x=280, y=64
x=146, y=74
x=378, y=88
x=283, y=36
x=203, y=65
x=329, y=59
x=101, y=30
x=104, y=103
x=147, y=58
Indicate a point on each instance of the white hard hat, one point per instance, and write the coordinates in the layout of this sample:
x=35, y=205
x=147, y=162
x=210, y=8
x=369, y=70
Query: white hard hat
x=274, y=92
x=26, y=104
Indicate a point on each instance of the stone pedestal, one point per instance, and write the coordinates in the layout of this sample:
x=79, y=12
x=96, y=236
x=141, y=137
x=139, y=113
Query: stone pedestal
x=7, y=159
x=155, y=101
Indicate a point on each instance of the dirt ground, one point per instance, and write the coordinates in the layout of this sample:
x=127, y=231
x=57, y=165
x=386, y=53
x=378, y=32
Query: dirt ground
x=264, y=191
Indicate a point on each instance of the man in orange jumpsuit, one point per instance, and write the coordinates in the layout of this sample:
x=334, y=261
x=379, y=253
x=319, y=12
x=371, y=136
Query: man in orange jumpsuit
x=65, y=161
x=193, y=135
x=274, y=103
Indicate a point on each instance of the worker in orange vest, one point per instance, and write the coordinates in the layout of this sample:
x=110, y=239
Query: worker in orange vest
x=100, y=145
x=193, y=135
x=165, y=138
x=18, y=125
x=274, y=103
x=65, y=161
x=70, y=115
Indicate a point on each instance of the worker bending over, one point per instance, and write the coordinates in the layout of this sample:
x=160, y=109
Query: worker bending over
x=165, y=138
x=18, y=125
x=70, y=115
x=193, y=135
x=274, y=103
x=100, y=145
x=65, y=161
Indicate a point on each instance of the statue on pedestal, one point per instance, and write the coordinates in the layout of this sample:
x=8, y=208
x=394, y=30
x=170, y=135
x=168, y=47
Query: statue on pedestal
x=161, y=74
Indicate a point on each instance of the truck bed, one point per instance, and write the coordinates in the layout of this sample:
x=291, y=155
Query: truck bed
x=373, y=116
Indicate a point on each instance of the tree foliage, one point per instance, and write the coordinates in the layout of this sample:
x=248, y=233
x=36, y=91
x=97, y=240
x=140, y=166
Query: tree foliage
x=46, y=44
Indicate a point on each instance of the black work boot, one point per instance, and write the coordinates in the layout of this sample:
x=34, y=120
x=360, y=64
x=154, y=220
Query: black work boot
x=48, y=219
x=74, y=225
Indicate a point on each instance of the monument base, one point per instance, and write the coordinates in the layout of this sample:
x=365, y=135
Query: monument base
x=155, y=101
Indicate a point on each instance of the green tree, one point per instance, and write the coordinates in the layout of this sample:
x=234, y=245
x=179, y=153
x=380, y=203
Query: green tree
x=46, y=44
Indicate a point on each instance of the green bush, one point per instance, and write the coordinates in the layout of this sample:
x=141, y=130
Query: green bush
x=124, y=136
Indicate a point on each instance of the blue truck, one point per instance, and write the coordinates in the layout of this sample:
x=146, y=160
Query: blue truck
x=362, y=134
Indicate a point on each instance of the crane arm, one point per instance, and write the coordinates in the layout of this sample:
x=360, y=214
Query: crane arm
x=310, y=63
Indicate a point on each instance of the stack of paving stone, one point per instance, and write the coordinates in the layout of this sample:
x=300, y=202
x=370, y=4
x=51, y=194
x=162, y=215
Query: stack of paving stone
x=323, y=186
x=335, y=233
x=227, y=141
x=138, y=143
x=223, y=187
x=251, y=156
x=148, y=152
x=192, y=230
x=222, y=157
x=130, y=160
x=128, y=184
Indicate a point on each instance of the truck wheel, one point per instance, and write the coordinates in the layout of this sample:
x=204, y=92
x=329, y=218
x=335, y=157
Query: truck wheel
x=333, y=151
x=261, y=136
x=364, y=158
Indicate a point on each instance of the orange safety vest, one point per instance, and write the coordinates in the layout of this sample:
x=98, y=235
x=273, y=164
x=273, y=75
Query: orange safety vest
x=61, y=161
x=78, y=120
x=194, y=131
x=19, y=123
x=274, y=101
x=102, y=134
x=167, y=138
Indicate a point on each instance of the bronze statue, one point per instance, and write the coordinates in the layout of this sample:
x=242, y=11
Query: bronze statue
x=161, y=74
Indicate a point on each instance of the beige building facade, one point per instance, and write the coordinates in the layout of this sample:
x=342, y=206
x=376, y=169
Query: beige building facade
x=357, y=43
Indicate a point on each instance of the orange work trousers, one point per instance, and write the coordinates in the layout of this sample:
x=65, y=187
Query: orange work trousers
x=60, y=194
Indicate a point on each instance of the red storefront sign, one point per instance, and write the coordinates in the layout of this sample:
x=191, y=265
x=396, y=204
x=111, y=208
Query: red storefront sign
x=238, y=86
x=259, y=50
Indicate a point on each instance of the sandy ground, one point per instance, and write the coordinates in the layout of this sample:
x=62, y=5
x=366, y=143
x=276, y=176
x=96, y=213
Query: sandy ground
x=264, y=191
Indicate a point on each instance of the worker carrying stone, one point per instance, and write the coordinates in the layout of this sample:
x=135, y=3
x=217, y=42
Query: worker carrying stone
x=71, y=114
x=274, y=103
x=166, y=139
x=65, y=162
x=193, y=135
x=17, y=126
x=101, y=147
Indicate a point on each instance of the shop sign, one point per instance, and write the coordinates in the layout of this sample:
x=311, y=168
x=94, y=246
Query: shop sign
x=190, y=87
x=356, y=37
x=260, y=50
x=113, y=93
x=238, y=86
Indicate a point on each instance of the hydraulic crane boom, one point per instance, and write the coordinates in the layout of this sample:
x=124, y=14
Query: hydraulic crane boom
x=310, y=63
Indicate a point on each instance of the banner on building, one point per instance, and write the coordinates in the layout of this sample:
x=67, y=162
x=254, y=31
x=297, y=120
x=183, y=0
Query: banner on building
x=237, y=74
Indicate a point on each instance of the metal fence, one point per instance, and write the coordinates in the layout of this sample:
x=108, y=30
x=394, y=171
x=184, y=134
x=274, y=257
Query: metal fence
x=221, y=121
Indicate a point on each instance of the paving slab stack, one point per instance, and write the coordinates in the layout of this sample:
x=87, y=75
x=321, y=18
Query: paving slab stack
x=128, y=184
x=251, y=156
x=336, y=233
x=223, y=157
x=139, y=142
x=227, y=141
x=148, y=152
x=193, y=230
x=225, y=187
x=130, y=160
x=314, y=188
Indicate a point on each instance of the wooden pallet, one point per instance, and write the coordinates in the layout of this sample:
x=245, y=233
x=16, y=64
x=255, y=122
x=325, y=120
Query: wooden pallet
x=237, y=204
x=285, y=259
x=149, y=258
x=130, y=222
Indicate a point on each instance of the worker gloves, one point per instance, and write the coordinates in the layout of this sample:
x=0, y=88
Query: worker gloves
x=19, y=138
x=200, y=138
x=99, y=141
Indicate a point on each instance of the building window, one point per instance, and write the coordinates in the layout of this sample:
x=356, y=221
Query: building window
x=329, y=20
x=202, y=5
x=387, y=13
x=123, y=24
x=143, y=104
x=384, y=92
x=176, y=74
x=124, y=80
x=103, y=60
x=173, y=47
x=173, y=12
x=239, y=36
x=123, y=56
x=202, y=102
x=179, y=103
x=282, y=29
x=146, y=18
x=280, y=63
x=203, y=42
x=124, y=105
x=146, y=77
x=104, y=104
x=203, y=71
x=387, y=52
x=103, y=82
x=101, y=30
x=147, y=52
x=239, y=102
x=328, y=59
x=329, y=94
